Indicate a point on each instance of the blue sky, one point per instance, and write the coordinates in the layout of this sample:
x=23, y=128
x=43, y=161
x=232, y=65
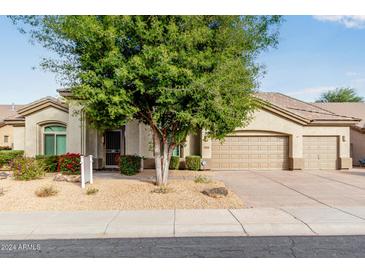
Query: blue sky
x=313, y=55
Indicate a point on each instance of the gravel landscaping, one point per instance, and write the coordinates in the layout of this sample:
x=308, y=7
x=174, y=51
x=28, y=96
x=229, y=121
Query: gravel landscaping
x=113, y=194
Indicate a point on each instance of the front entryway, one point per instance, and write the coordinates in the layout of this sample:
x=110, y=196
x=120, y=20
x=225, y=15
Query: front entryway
x=251, y=152
x=113, y=147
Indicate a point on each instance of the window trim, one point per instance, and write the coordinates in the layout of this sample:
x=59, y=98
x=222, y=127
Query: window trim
x=6, y=139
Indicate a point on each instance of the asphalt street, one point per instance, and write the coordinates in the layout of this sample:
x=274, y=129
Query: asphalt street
x=194, y=247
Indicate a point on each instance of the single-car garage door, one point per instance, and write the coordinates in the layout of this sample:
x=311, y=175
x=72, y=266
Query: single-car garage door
x=250, y=152
x=320, y=152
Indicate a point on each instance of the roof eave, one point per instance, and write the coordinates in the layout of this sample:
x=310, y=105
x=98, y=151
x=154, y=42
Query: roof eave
x=31, y=108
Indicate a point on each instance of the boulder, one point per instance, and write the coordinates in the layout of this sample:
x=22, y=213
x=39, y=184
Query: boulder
x=4, y=175
x=59, y=177
x=73, y=178
x=67, y=178
x=217, y=192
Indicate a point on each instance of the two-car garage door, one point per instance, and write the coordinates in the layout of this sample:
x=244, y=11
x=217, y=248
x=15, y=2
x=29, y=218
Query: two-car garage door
x=251, y=152
x=272, y=152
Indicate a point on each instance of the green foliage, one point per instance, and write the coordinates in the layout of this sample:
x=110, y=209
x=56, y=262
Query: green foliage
x=174, y=73
x=27, y=168
x=202, y=180
x=69, y=163
x=130, y=164
x=6, y=156
x=50, y=162
x=91, y=190
x=46, y=191
x=193, y=162
x=174, y=162
x=340, y=95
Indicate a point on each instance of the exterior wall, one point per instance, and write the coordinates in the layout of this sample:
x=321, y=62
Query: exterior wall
x=75, y=129
x=132, y=138
x=265, y=122
x=145, y=141
x=7, y=130
x=19, y=138
x=357, y=140
x=33, y=128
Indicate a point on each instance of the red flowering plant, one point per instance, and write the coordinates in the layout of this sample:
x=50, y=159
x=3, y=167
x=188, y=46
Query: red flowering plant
x=69, y=163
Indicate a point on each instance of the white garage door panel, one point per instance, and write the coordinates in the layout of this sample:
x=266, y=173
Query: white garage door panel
x=251, y=152
x=320, y=152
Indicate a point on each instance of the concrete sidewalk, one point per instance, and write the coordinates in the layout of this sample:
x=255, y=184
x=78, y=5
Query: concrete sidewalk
x=180, y=222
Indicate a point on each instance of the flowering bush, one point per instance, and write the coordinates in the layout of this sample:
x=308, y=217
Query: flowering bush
x=27, y=168
x=69, y=163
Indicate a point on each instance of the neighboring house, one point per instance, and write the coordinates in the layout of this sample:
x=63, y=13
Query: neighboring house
x=357, y=132
x=6, y=131
x=284, y=134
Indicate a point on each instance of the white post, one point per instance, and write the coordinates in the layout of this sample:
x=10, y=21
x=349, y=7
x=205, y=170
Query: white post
x=91, y=169
x=82, y=162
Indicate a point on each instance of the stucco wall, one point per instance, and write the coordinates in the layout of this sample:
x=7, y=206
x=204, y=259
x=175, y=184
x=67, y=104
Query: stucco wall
x=33, y=128
x=357, y=140
x=19, y=138
x=6, y=130
x=75, y=129
x=132, y=138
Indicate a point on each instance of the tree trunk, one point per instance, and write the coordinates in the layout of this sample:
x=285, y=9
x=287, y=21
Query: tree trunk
x=157, y=151
x=163, y=152
x=166, y=162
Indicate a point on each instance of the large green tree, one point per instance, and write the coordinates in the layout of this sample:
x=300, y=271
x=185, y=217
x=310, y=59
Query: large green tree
x=340, y=95
x=176, y=74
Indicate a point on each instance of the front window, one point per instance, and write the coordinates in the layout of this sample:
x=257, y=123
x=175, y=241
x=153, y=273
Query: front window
x=54, y=140
x=6, y=139
x=177, y=151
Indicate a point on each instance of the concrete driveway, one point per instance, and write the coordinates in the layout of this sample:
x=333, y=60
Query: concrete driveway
x=276, y=189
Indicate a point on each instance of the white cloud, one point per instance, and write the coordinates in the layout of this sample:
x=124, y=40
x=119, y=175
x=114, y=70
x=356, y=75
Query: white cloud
x=349, y=21
x=352, y=73
x=312, y=90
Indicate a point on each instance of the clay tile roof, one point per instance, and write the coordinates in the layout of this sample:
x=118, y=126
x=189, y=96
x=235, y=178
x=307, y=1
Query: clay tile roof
x=297, y=107
x=9, y=111
x=347, y=109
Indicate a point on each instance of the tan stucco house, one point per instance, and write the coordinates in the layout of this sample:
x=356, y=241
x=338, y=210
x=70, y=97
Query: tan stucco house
x=6, y=130
x=357, y=131
x=284, y=134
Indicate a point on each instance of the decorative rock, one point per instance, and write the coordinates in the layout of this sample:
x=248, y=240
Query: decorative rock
x=73, y=178
x=217, y=192
x=4, y=175
x=67, y=178
x=59, y=178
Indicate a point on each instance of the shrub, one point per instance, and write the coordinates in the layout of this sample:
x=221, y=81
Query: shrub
x=69, y=163
x=6, y=156
x=5, y=148
x=50, y=162
x=202, y=180
x=192, y=162
x=46, y=191
x=27, y=168
x=174, y=162
x=91, y=190
x=129, y=164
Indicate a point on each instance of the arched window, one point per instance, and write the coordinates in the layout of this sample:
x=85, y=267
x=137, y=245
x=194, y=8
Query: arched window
x=54, y=140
